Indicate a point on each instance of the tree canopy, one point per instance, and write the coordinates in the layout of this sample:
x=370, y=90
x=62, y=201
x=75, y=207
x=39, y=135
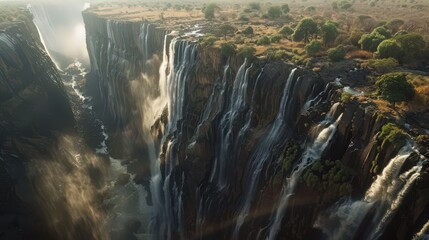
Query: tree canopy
x=394, y=87
x=329, y=33
x=274, y=12
x=390, y=49
x=209, y=10
x=306, y=27
x=313, y=47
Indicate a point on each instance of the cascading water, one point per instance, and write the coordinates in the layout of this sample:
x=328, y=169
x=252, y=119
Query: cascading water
x=312, y=153
x=274, y=135
x=168, y=197
x=382, y=199
x=62, y=32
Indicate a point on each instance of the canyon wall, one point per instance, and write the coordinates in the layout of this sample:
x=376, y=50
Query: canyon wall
x=245, y=148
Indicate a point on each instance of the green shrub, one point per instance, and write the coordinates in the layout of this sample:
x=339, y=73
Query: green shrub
x=394, y=88
x=382, y=65
x=413, y=45
x=286, y=31
x=337, y=54
x=247, y=52
x=371, y=41
x=285, y=8
x=346, y=97
x=208, y=40
x=274, y=12
x=355, y=36
x=209, y=10
x=329, y=33
x=248, y=30
x=306, y=27
x=275, y=38
x=264, y=40
x=390, y=132
x=313, y=47
x=279, y=55
x=228, y=49
x=383, y=31
x=390, y=49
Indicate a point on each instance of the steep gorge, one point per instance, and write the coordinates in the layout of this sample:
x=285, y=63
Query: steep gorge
x=227, y=146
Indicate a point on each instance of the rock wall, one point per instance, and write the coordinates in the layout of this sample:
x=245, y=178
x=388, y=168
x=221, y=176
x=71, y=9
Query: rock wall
x=237, y=137
x=34, y=109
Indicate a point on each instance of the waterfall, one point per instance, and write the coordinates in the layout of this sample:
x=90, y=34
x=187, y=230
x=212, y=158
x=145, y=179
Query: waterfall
x=62, y=32
x=312, y=153
x=274, y=135
x=383, y=197
x=167, y=195
x=225, y=147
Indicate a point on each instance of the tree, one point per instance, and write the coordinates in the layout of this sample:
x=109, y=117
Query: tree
x=264, y=40
x=247, y=52
x=255, y=6
x=337, y=54
x=371, y=41
x=209, y=10
x=394, y=87
x=329, y=33
x=285, y=8
x=275, y=38
x=248, y=31
x=208, y=40
x=274, y=12
x=306, y=27
x=395, y=24
x=413, y=45
x=383, y=31
x=228, y=49
x=286, y=31
x=390, y=49
x=226, y=29
x=313, y=47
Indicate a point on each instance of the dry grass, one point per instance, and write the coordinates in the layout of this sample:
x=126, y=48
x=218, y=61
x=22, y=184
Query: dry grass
x=359, y=54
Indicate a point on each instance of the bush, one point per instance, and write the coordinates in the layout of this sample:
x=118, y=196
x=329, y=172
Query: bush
x=209, y=10
x=280, y=55
x=383, y=31
x=390, y=49
x=286, y=31
x=390, y=132
x=264, y=40
x=313, y=48
x=274, y=12
x=276, y=38
x=355, y=36
x=382, y=65
x=371, y=41
x=228, y=49
x=306, y=27
x=208, y=40
x=413, y=45
x=346, y=97
x=329, y=33
x=394, y=87
x=285, y=8
x=337, y=54
x=248, y=30
x=247, y=52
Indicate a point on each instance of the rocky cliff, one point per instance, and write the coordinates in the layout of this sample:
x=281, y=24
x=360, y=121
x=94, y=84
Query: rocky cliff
x=244, y=148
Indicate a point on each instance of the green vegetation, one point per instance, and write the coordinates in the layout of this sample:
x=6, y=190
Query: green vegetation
x=286, y=31
x=381, y=65
x=337, y=54
x=413, y=44
x=14, y=13
x=346, y=97
x=306, y=27
x=371, y=41
x=390, y=132
x=208, y=40
x=394, y=87
x=209, y=10
x=329, y=33
x=390, y=49
x=247, y=52
x=274, y=12
x=264, y=40
x=248, y=31
x=226, y=29
x=331, y=177
x=228, y=49
x=313, y=48
x=285, y=8
x=290, y=154
x=275, y=38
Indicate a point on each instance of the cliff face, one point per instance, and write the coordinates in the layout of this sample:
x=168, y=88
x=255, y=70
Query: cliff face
x=247, y=149
x=34, y=108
